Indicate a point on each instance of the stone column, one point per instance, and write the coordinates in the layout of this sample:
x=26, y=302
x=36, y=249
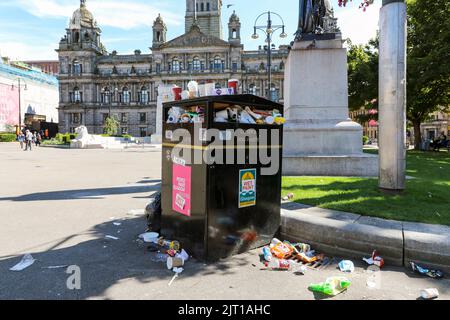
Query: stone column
x=392, y=95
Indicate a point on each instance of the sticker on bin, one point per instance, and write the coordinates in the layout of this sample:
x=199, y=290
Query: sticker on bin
x=247, y=188
x=181, y=192
x=169, y=134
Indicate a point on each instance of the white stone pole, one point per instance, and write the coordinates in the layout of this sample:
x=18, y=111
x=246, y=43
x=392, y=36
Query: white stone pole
x=392, y=96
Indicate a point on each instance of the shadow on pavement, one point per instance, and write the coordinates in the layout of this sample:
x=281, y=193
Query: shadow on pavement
x=103, y=263
x=83, y=194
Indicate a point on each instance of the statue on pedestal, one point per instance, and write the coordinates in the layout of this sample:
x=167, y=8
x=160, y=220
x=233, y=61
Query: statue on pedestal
x=316, y=17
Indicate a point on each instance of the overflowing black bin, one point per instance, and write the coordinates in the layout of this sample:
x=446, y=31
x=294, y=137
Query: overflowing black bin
x=216, y=209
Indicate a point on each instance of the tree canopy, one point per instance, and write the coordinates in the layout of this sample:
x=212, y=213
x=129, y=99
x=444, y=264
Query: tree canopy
x=428, y=60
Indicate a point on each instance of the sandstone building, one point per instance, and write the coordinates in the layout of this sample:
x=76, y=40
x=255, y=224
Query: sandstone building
x=95, y=84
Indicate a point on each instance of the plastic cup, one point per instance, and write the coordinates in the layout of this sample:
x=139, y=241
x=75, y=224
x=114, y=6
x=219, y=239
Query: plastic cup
x=177, y=93
x=174, y=262
x=233, y=84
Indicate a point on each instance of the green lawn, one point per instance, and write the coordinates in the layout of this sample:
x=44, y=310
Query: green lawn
x=426, y=199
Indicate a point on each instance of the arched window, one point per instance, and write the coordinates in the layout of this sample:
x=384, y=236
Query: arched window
x=196, y=65
x=158, y=36
x=176, y=65
x=77, y=37
x=202, y=7
x=208, y=7
x=143, y=95
x=234, y=33
x=125, y=96
x=218, y=64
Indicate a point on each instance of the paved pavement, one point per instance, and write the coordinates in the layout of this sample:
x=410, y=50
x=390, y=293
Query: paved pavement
x=60, y=204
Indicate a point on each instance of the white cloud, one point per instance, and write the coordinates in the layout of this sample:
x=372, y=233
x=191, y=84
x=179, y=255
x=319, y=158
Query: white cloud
x=114, y=13
x=24, y=51
x=358, y=25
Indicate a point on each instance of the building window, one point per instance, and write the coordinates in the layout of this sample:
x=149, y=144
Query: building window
x=106, y=95
x=124, y=130
x=124, y=118
x=252, y=89
x=208, y=7
x=196, y=65
x=125, y=96
x=176, y=66
x=76, y=96
x=143, y=132
x=235, y=66
x=202, y=7
x=75, y=118
x=77, y=67
x=142, y=117
x=218, y=65
x=143, y=96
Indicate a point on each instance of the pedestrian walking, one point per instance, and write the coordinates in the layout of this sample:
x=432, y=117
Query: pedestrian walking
x=21, y=139
x=28, y=140
x=38, y=140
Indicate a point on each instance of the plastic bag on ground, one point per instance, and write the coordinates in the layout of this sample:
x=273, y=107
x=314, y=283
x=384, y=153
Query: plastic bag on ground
x=26, y=261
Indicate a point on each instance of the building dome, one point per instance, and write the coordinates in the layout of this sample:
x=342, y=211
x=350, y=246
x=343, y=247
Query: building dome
x=82, y=18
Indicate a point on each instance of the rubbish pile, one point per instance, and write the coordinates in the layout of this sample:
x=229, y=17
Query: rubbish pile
x=186, y=115
x=167, y=250
x=293, y=257
x=249, y=115
x=435, y=274
x=232, y=114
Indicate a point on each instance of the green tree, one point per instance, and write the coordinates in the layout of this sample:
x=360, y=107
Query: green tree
x=363, y=74
x=428, y=61
x=111, y=126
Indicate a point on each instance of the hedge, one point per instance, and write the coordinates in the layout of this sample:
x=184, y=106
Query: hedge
x=7, y=137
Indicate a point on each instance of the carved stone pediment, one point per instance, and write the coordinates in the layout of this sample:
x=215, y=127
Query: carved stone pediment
x=194, y=38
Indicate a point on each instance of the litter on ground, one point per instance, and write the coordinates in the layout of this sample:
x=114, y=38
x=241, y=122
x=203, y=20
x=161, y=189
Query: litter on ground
x=26, y=261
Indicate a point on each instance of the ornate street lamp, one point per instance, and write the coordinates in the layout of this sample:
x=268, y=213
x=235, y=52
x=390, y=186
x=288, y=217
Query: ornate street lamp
x=269, y=30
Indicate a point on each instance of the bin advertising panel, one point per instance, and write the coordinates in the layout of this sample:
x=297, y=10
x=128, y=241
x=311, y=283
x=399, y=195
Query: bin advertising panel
x=9, y=105
x=181, y=194
x=247, y=188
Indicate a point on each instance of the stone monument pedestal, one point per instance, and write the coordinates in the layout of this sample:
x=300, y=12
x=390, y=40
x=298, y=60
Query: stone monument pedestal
x=319, y=137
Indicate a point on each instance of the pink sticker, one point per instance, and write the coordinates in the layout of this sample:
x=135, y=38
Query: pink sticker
x=181, y=193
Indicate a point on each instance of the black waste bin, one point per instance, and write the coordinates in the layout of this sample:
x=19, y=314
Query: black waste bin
x=220, y=209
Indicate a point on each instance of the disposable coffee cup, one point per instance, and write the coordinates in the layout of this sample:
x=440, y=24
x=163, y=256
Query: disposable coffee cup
x=174, y=262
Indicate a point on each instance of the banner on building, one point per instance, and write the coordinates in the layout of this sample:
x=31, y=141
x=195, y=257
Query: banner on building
x=9, y=105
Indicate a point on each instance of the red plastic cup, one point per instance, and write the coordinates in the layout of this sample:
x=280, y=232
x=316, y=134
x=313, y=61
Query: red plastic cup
x=233, y=84
x=177, y=93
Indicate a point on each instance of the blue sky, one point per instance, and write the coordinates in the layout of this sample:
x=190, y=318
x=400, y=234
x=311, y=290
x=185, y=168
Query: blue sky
x=31, y=29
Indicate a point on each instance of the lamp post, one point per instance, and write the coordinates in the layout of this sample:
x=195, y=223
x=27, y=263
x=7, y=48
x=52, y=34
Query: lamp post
x=269, y=30
x=19, y=86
